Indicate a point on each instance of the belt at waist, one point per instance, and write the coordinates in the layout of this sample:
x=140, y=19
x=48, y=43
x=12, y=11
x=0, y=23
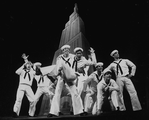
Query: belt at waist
x=124, y=75
x=25, y=84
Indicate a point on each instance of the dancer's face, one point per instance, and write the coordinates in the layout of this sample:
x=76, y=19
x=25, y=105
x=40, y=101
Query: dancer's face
x=37, y=66
x=28, y=66
x=99, y=68
x=79, y=54
x=107, y=77
x=116, y=55
x=66, y=51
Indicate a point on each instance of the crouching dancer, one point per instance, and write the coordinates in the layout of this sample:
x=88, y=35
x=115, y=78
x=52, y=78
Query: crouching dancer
x=107, y=89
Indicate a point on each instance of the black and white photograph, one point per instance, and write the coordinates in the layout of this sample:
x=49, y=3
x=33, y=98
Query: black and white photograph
x=74, y=59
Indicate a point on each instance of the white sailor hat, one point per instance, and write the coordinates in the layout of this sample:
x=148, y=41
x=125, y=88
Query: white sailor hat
x=113, y=52
x=99, y=64
x=65, y=46
x=106, y=71
x=78, y=49
x=37, y=64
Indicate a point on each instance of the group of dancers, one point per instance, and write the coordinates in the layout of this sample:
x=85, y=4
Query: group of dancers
x=71, y=71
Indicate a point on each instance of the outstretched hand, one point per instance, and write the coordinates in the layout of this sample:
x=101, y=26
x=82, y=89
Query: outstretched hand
x=24, y=56
x=129, y=76
x=91, y=50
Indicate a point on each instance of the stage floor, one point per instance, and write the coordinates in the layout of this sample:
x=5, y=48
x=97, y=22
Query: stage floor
x=139, y=115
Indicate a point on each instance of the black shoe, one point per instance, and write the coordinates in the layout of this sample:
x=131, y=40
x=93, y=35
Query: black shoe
x=51, y=115
x=83, y=114
x=71, y=113
x=60, y=113
x=14, y=115
x=35, y=115
x=118, y=109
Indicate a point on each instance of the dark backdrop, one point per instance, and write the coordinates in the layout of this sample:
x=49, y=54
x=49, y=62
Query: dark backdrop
x=35, y=27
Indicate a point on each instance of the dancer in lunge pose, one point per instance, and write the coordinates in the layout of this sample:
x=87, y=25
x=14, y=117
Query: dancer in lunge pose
x=65, y=74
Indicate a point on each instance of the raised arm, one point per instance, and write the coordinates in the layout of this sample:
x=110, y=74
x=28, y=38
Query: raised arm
x=25, y=57
x=93, y=55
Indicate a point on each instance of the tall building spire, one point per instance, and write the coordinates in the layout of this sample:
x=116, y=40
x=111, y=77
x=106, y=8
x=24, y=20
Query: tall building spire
x=76, y=8
x=73, y=34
